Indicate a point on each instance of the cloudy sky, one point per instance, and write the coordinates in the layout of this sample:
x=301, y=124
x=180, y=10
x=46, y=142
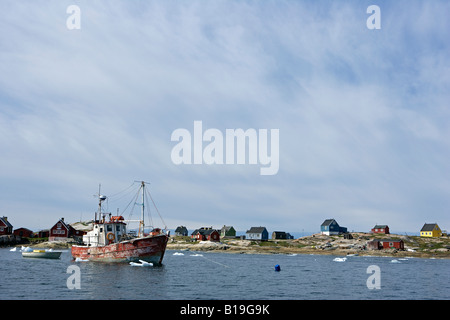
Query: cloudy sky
x=363, y=115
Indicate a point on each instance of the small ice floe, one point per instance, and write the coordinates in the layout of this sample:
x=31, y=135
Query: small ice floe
x=395, y=261
x=403, y=259
x=13, y=249
x=292, y=255
x=340, y=259
x=196, y=255
x=178, y=254
x=81, y=260
x=141, y=264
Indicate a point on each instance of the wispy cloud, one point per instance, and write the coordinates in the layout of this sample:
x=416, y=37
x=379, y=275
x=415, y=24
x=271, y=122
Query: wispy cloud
x=363, y=114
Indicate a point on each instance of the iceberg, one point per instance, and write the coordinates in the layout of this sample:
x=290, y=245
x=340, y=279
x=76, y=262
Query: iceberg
x=339, y=259
x=80, y=260
x=141, y=264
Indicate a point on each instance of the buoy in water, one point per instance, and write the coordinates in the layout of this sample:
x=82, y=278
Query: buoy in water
x=277, y=267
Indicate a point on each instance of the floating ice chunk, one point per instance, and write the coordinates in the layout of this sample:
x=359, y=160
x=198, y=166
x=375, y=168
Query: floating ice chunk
x=339, y=259
x=395, y=261
x=178, y=254
x=141, y=264
x=196, y=255
x=13, y=249
x=80, y=260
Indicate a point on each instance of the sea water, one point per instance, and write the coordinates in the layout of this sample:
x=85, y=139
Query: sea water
x=191, y=275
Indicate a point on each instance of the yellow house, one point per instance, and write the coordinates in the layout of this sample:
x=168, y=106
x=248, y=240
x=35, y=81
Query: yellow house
x=430, y=230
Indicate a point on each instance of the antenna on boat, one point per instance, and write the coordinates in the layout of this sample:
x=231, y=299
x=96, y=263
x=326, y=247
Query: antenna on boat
x=101, y=198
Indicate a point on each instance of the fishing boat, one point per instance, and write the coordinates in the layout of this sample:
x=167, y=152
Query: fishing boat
x=110, y=242
x=44, y=254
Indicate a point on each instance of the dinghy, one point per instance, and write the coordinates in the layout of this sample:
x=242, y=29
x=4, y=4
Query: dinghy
x=41, y=254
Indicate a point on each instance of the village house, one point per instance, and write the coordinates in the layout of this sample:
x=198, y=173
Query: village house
x=392, y=244
x=61, y=231
x=6, y=228
x=227, y=232
x=378, y=244
x=380, y=228
x=43, y=233
x=257, y=233
x=281, y=235
x=206, y=234
x=373, y=245
x=181, y=231
x=430, y=230
x=331, y=227
x=23, y=233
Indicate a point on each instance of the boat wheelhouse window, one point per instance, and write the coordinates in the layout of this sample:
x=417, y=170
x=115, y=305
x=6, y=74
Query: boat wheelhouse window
x=109, y=227
x=101, y=229
x=118, y=228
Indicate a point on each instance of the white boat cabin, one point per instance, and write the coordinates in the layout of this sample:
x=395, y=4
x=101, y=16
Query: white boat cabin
x=106, y=232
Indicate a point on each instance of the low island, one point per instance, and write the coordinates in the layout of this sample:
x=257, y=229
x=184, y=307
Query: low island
x=357, y=244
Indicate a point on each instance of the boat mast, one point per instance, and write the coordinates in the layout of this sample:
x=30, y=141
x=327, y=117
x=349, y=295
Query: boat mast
x=143, y=208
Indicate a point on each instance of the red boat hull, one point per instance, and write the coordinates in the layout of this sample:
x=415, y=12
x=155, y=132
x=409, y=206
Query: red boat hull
x=150, y=249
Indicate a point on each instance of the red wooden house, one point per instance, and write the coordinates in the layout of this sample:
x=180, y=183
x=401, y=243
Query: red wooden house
x=382, y=228
x=61, y=230
x=43, y=233
x=23, y=232
x=392, y=243
x=6, y=228
x=206, y=234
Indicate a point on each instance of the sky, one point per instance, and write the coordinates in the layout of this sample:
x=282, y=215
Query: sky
x=363, y=114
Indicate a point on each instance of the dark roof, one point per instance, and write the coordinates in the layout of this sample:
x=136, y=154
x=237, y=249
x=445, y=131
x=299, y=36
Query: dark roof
x=65, y=225
x=327, y=222
x=256, y=230
x=380, y=226
x=390, y=240
x=181, y=229
x=6, y=222
x=204, y=231
x=428, y=227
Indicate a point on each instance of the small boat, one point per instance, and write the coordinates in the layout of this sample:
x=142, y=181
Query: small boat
x=42, y=254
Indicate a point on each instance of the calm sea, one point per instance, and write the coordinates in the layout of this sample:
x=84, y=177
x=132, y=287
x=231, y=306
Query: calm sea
x=233, y=276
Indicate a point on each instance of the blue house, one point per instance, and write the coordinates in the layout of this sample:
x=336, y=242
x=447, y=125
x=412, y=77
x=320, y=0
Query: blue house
x=330, y=226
